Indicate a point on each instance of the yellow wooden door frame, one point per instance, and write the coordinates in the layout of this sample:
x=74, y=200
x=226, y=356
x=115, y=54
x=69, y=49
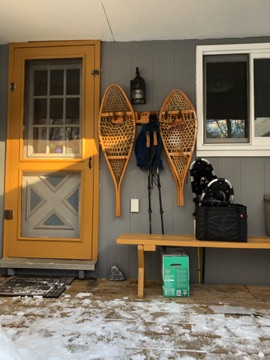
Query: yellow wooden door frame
x=14, y=244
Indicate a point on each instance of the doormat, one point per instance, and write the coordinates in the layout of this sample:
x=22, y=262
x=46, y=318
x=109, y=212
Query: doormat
x=47, y=287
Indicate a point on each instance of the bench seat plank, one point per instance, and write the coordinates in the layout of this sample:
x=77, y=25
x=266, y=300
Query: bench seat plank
x=190, y=241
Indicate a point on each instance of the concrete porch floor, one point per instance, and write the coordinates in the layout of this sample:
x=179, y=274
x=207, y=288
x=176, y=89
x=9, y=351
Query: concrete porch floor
x=215, y=322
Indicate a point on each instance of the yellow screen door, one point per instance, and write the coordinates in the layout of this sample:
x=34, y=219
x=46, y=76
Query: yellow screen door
x=51, y=202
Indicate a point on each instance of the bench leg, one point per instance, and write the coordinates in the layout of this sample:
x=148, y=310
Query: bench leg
x=140, y=271
x=200, y=264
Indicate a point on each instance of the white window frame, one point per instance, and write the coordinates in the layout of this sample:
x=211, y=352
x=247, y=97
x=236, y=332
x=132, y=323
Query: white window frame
x=255, y=146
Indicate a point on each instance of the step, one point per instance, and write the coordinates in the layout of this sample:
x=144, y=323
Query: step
x=56, y=264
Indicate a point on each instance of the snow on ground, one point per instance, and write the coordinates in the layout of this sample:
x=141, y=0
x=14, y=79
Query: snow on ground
x=83, y=327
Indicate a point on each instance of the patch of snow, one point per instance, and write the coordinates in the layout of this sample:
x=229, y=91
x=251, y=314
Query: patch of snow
x=85, y=328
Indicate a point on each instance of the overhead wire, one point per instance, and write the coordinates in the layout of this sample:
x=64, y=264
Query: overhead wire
x=107, y=19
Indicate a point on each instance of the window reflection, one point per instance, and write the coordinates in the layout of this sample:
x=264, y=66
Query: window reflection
x=226, y=98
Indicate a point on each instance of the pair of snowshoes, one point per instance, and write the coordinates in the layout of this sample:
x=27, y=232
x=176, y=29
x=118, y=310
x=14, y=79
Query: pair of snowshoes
x=207, y=188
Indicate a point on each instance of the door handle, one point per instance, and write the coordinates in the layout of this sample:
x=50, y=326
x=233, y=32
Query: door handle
x=90, y=162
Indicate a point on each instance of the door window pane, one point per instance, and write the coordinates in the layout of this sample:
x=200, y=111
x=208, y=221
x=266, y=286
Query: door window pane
x=40, y=111
x=56, y=111
x=40, y=82
x=73, y=82
x=73, y=110
x=40, y=139
x=57, y=82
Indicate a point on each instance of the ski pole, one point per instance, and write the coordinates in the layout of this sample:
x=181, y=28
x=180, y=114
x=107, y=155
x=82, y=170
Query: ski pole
x=147, y=135
x=158, y=180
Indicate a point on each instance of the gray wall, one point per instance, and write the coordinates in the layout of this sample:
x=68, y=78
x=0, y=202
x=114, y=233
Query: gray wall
x=165, y=65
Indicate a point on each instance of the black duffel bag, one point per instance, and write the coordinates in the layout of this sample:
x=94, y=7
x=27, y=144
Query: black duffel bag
x=223, y=223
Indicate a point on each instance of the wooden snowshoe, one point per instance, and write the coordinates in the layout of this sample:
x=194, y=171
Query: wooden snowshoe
x=117, y=128
x=178, y=130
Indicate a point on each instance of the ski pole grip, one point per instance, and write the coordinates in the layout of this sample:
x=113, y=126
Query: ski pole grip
x=147, y=135
x=155, y=138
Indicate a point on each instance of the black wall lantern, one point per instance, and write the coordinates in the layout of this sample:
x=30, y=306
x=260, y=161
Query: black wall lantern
x=137, y=89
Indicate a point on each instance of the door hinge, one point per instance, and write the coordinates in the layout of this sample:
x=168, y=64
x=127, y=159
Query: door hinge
x=12, y=86
x=8, y=214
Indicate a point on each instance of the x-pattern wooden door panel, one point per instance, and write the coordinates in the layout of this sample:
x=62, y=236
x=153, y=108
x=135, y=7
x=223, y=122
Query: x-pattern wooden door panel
x=51, y=205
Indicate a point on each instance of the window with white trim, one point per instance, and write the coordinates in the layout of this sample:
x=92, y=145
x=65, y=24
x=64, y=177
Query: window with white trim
x=233, y=100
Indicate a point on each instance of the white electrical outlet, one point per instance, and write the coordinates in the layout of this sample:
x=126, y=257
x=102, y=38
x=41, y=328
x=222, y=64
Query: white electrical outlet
x=134, y=205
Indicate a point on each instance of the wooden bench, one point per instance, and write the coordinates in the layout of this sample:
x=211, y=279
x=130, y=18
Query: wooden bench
x=149, y=242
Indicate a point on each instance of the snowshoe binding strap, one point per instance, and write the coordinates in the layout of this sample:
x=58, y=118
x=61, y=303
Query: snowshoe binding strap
x=218, y=192
x=201, y=173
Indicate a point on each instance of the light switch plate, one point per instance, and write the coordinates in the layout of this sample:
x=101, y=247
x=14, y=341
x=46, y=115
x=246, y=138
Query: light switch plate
x=134, y=205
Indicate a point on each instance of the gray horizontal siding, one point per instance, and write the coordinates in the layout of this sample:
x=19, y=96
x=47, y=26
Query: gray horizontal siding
x=167, y=65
